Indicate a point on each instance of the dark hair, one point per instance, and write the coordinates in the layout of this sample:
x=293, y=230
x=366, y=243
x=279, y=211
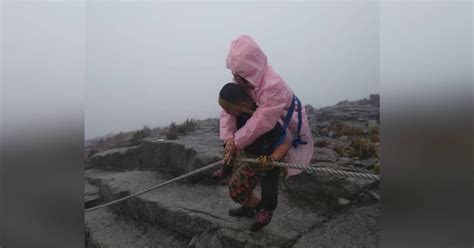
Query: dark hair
x=234, y=93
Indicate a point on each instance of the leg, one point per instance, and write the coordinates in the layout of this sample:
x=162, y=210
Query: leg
x=224, y=171
x=269, y=193
x=241, y=188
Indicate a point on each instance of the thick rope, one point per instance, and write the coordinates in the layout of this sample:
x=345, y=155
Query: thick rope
x=326, y=171
x=247, y=160
x=207, y=167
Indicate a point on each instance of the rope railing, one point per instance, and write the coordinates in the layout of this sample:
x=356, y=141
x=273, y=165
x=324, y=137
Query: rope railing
x=207, y=167
x=311, y=168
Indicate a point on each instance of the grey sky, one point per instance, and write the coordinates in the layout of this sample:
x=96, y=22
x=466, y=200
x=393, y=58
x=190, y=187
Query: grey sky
x=153, y=63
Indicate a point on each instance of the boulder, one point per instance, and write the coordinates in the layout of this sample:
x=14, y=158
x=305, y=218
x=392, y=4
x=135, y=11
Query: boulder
x=324, y=132
x=322, y=125
x=327, y=142
x=91, y=195
x=122, y=157
x=343, y=161
x=309, y=109
x=366, y=163
x=323, y=190
x=343, y=202
x=374, y=99
x=332, y=134
x=322, y=154
x=324, y=164
x=372, y=124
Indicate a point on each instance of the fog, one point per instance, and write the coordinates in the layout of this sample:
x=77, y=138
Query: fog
x=153, y=63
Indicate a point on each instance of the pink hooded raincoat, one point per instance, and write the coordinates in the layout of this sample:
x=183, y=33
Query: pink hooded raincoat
x=273, y=98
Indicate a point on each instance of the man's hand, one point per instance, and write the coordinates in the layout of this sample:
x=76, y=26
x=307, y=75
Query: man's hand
x=229, y=145
x=228, y=157
x=229, y=151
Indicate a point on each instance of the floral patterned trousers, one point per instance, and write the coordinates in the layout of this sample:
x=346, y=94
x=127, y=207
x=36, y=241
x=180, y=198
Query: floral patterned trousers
x=245, y=179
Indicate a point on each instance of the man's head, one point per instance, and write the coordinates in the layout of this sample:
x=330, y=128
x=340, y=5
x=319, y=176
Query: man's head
x=234, y=99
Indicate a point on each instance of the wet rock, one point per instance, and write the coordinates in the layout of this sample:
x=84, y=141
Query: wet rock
x=375, y=194
x=343, y=202
x=323, y=154
x=309, y=109
x=175, y=157
x=324, y=132
x=366, y=163
x=372, y=124
x=351, y=111
x=322, y=125
x=325, y=164
x=313, y=188
x=327, y=142
x=345, y=102
x=359, y=227
x=117, y=157
x=91, y=195
x=182, y=215
x=355, y=186
x=364, y=197
x=343, y=161
x=331, y=134
x=105, y=228
x=199, y=212
x=374, y=99
x=377, y=168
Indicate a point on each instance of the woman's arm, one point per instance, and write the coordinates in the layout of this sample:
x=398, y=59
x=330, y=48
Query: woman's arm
x=271, y=107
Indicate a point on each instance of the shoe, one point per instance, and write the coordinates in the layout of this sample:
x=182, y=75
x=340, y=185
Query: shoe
x=222, y=172
x=243, y=212
x=262, y=218
x=219, y=173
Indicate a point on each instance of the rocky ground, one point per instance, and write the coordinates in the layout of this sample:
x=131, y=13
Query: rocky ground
x=314, y=210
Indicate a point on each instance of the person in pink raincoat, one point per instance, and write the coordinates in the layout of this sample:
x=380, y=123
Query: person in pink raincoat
x=274, y=99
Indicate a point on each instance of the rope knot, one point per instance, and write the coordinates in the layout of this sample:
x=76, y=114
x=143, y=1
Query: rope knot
x=264, y=162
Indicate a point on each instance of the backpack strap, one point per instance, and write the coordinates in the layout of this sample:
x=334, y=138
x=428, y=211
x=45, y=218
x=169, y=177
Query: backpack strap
x=286, y=122
x=298, y=140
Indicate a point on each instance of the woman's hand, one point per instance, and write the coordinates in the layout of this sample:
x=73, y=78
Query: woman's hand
x=228, y=157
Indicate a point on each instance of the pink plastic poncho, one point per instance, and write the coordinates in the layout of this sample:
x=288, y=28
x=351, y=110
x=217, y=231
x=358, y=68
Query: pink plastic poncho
x=273, y=98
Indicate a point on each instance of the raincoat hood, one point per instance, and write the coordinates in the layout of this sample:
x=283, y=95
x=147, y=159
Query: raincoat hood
x=247, y=60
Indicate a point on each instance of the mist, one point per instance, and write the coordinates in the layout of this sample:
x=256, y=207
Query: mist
x=153, y=63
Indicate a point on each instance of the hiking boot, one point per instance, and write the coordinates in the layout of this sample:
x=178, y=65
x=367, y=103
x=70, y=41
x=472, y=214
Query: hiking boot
x=262, y=218
x=243, y=211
